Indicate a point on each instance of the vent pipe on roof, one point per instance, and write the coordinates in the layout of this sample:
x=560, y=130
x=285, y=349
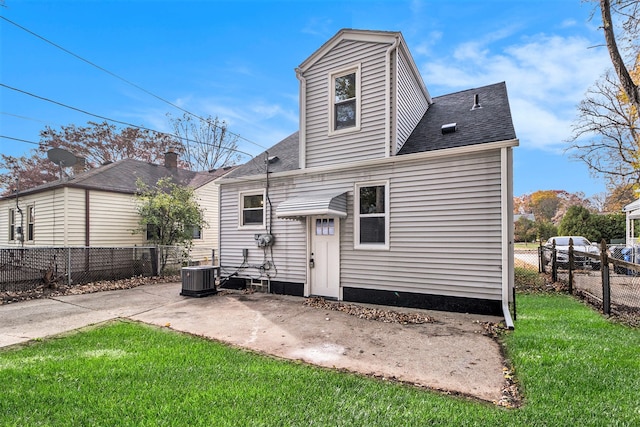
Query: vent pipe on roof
x=476, y=102
x=449, y=128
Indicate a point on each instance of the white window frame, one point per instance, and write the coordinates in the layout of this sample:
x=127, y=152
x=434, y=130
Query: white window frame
x=31, y=223
x=241, y=196
x=196, y=232
x=12, y=225
x=332, y=98
x=357, y=215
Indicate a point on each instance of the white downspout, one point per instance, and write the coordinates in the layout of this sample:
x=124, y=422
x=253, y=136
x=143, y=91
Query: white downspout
x=303, y=119
x=507, y=233
x=387, y=97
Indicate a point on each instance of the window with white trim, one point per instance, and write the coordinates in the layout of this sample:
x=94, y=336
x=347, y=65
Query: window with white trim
x=12, y=224
x=195, y=232
x=345, y=100
x=252, y=213
x=372, y=215
x=30, y=222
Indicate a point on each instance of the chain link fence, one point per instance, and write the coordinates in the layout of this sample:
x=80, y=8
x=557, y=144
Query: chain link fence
x=606, y=276
x=23, y=269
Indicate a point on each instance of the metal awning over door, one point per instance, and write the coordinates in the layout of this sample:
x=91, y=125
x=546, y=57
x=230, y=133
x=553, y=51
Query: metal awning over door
x=314, y=204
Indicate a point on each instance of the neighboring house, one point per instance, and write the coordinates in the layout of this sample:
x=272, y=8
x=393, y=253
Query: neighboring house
x=385, y=195
x=632, y=212
x=97, y=208
x=529, y=216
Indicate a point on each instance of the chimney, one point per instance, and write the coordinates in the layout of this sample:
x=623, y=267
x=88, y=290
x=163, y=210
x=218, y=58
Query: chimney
x=79, y=166
x=171, y=159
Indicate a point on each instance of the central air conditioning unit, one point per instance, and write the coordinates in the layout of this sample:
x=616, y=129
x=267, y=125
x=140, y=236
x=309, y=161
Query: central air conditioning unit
x=199, y=281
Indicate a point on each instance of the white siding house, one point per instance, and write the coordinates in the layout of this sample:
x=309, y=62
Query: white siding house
x=97, y=208
x=373, y=200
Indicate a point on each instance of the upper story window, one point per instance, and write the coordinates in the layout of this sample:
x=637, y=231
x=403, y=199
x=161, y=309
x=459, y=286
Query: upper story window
x=345, y=100
x=372, y=215
x=252, y=213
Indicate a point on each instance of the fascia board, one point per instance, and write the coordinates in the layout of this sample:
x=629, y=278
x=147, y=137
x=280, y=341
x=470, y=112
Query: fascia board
x=426, y=155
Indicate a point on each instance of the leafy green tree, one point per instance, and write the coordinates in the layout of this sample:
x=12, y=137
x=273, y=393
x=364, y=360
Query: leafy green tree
x=545, y=230
x=576, y=222
x=525, y=230
x=169, y=214
x=608, y=227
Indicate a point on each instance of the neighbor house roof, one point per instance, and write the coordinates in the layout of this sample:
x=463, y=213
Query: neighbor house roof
x=490, y=123
x=121, y=177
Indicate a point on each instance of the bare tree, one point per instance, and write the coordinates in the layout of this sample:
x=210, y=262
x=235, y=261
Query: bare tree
x=96, y=143
x=605, y=134
x=206, y=142
x=628, y=12
x=103, y=142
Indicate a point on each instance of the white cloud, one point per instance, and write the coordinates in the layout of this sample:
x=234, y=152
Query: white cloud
x=546, y=77
x=319, y=27
x=568, y=23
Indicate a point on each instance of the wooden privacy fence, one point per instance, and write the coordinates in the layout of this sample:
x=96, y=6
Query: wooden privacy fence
x=608, y=277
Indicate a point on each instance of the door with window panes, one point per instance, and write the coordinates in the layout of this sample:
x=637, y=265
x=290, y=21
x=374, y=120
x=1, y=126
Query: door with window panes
x=324, y=259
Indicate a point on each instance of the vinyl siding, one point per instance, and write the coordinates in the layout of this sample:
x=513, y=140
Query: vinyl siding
x=113, y=218
x=289, y=249
x=445, y=234
x=411, y=102
x=207, y=197
x=368, y=142
x=58, y=218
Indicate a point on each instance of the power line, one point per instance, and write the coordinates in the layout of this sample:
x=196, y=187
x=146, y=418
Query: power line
x=124, y=80
x=23, y=117
x=116, y=121
x=20, y=140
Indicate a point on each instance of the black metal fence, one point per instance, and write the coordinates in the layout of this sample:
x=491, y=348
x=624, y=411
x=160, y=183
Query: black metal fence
x=23, y=269
x=607, y=276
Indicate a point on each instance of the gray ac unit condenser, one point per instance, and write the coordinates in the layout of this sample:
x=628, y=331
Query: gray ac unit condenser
x=199, y=281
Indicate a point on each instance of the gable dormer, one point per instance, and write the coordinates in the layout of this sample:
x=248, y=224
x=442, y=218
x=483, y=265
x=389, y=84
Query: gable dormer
x=361, y=96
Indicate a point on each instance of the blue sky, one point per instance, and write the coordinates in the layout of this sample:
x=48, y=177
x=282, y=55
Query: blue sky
x=236, y=60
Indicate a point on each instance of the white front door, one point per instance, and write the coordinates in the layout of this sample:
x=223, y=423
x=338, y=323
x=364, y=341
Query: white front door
x=324, y=259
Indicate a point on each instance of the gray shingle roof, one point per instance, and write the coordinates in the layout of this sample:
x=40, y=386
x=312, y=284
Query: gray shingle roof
x=121, y=177
x=490, y=123
x=286, y=152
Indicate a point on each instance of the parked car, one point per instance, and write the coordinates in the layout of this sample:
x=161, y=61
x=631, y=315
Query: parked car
x=625, y=253
x=580, y=244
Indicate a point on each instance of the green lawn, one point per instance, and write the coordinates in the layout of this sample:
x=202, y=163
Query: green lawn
x=575, y=368
x=527, y=245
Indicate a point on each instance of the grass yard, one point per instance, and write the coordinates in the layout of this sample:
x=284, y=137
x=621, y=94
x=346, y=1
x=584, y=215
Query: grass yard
x=575, y=368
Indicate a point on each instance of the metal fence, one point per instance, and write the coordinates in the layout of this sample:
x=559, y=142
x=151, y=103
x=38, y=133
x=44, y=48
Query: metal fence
x=608, y=277
x=23, y=269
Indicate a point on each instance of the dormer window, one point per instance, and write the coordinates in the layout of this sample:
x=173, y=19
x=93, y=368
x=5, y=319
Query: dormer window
x=345, y=99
